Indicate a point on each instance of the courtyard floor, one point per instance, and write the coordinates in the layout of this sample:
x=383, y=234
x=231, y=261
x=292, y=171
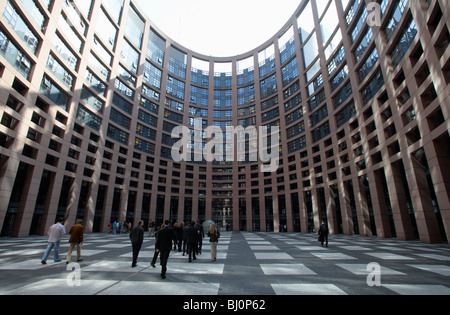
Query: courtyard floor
x=248, y=264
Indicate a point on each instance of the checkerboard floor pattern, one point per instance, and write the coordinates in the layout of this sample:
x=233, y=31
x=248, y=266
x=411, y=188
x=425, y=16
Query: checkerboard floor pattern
x=247, y=264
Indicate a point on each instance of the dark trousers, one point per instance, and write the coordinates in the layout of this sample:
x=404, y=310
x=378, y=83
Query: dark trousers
x=155, y=257
x=136, y=249
x=184, y=246
x=324, y=238
x=164, y=258
x=199, y=247
x=192, y=249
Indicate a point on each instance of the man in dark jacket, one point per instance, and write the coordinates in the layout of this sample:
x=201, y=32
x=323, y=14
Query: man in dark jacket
x=164, y=245
x=201, y=235
x=323, y=233
x=137, y=238
x=192, y=235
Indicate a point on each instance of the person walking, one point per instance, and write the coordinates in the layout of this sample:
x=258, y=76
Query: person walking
x=76, y=239
x=192, y=241
x=201, y=235
x=137, y=238
x=214, y=236
x=179, y=231
x=185, y=230
x=323, y=233
x=163, y=246
x=151, y=228
x=55, y=233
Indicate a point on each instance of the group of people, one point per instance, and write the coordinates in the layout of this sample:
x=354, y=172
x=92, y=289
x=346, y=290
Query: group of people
x=55, y=234
x=187, y=238
x=117, y=227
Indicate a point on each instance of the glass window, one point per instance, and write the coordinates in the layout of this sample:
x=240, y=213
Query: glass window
x=84, y=6
x=266, y=60
x=69, y=34
x=245, y=71
x=129, y=56
x=73, y=14
x=268, y=86
x=290, y=72
x=155, y=48
x=329, y=22
x=306, y=22
x=59, y=71
x=106, y=30
x=19, y=26
x=92, y=100
x=287, y=45
x=177, y=63
x=35, y=13
x=199, y=96
x=152, y=75
x=175, y=88
x=134, y=29
x=54, y=93
x=14, y=56
x=97, y=66
x=200, y=72
x=246, y=95
x=223, y=98
x=101, y=51
x=310, y=51
x=114, y=8
x=87, y=117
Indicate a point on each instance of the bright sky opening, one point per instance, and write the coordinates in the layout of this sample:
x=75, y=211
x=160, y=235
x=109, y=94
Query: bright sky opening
x=219, y=28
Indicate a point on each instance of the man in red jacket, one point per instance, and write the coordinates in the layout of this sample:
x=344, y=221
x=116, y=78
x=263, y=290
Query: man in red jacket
x=76, y=239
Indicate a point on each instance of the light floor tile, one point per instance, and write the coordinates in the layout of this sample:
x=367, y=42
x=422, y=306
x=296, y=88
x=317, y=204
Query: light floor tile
x=264, y=247
x=312, y=248
x=32, y=264
x=361, y=269
x=60, y=287
x=188, y=268
x=333, y=256
x=439, y=269
x=286, y=269
x=142, y=254
x=163, y=288
x=394, y=248
x=412, y=289
x=206, y=255
x=85, y=252
x=307, y=289
x=26, y=252
x=114, y=266
x=273, y=255
x=389, y=256
x=435, y=256
x=259, y=243
x=355, y=248
x=115, y=246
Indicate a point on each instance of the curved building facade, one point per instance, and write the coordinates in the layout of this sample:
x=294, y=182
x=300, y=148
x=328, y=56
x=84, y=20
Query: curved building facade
x=92, y=90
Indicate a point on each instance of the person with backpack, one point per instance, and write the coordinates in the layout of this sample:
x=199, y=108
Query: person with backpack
x=214, y=236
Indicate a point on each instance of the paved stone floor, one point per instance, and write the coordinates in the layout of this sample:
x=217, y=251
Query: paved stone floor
x=247, y=264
